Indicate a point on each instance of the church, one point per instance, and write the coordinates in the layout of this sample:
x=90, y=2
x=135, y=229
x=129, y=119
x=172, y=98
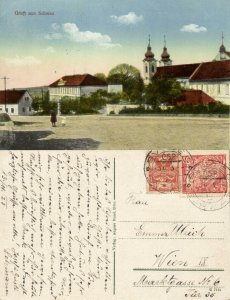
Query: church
x=212, y=77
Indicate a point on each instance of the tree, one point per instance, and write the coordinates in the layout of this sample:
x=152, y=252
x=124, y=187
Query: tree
x=128, y=76
x=162, y=90
x=42, y=104
x=101, y=76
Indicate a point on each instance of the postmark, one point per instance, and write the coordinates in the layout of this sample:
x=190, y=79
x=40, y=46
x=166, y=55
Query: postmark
x=204, y=174
x=201, y=178
x=205, y=181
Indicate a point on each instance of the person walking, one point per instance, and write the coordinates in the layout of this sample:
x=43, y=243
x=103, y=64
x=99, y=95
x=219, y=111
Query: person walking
x=53, y=118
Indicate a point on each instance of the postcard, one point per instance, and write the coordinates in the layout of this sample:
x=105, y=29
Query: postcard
x=99, y=197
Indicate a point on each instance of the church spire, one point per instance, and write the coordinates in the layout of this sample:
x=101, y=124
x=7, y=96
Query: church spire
x=222, y=47
x=165, y=57
x=149, y=63
x=149, y=56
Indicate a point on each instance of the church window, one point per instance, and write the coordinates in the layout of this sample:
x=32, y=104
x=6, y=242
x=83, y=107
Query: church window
x=152, y=68
x=146, y=69
x=227, y=89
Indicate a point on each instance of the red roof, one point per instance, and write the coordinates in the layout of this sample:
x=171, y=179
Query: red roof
x=177, y=70
x=12, y=96
x=79, y=80
x=212, y=70
x=200, y=71
x=194, y=97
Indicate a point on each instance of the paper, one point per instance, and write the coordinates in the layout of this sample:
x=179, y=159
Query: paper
x=85, y=225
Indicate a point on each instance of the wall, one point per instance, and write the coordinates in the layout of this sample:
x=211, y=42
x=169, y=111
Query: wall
x=25, y=105
x=116, y=108
x=219, y=90
x=86, y=90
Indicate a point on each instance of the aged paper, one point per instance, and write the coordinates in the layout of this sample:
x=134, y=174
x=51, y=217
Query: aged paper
x=84, y=225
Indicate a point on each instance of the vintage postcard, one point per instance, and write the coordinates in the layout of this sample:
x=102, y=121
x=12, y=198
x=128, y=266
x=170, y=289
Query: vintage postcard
x=114, y=139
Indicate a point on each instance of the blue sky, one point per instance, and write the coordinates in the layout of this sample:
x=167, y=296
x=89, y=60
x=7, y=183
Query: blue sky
x=93, y=36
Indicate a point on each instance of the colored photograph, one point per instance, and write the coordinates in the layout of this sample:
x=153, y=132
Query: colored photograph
x=105, y=75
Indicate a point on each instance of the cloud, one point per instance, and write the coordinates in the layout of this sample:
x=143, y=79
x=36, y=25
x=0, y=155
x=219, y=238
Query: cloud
x=130, y=18
x=22, y=61
x=193, y=28
x=49, y=49
x=71, y=32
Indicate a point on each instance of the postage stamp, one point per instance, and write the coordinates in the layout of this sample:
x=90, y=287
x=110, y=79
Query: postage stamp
x=204, y=174
x=162, y=171
x=203, y=178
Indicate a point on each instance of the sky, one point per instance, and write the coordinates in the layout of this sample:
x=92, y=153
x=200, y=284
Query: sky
x=41, y=41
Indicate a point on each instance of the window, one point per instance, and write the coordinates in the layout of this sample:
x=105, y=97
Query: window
x=153, y=69
x=0, y=109
x=146, y=69
x=227, y=89
x=23, y=109
x=30, y=108
x=207, y=88
x=12, y=110
x=7, y=109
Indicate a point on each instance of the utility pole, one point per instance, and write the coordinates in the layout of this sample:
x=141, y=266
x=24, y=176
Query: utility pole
x=5, y=78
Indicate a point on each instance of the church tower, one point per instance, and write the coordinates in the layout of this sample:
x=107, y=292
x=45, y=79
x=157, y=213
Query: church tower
x=165, y=57
x=149, y=64
x=223, y=53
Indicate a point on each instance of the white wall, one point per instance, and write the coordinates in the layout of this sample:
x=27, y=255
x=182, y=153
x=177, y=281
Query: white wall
x=25, y=105
x=115, y=88
x=116, y=108
x=86, y=90
x=219, y=90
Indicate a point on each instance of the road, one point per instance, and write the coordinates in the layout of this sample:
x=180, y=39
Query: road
x=121, y=133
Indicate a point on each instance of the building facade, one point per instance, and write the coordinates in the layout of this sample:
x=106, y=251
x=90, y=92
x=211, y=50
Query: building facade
x=16, y=103
x=75, y=86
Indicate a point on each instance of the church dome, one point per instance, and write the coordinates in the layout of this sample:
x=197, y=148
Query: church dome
x=222, y=48
x=165, y=55
x=149, y=54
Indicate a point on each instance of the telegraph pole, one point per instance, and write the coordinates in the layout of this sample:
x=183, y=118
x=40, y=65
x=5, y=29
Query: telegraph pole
x=5, y=78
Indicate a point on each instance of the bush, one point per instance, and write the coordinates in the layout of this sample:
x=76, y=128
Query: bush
x=4, y=117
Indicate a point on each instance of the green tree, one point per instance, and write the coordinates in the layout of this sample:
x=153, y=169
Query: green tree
x=128, y=76
x=162, y=90
x=42, y=105
x=101, y=76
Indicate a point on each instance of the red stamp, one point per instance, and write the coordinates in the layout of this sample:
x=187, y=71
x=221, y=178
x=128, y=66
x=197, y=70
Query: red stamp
x=204, y=174
x=162, y=172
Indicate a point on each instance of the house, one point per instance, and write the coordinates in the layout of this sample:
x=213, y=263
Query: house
x=16, y=102
x=75, y=86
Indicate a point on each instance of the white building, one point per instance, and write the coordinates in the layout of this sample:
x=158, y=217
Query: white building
x=75, y=86
x=16, y=102
x=213, y=77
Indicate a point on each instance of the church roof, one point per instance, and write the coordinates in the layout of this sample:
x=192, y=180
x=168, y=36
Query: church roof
x=78, y=80
x=212, y=70
x=200, y=71
x=185, y=70
x=12, y=96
